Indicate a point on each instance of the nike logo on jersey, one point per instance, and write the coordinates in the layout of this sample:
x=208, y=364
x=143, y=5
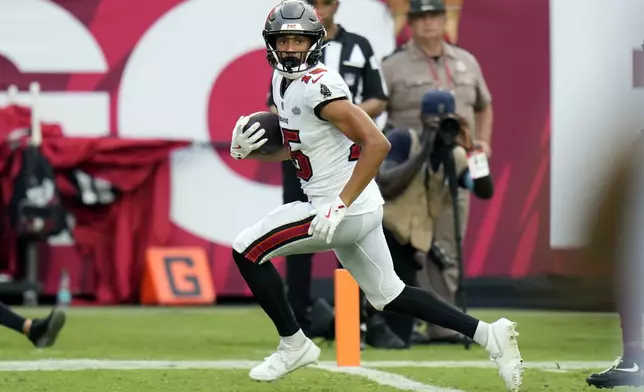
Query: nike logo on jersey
x=316, y=79
x=634, y=369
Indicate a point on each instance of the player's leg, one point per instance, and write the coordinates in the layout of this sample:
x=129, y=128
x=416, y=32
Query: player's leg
x=282, y=232
x=628, y=369
x=298, y=267
x=41, y=332
x=631, y=322
x=370, y=263
x=407, y=269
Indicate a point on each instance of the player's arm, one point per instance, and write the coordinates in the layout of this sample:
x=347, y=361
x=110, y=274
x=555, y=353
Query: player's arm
x=360, y=128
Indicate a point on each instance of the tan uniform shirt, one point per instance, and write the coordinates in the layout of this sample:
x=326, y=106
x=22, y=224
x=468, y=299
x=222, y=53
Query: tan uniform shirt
x=409, y=74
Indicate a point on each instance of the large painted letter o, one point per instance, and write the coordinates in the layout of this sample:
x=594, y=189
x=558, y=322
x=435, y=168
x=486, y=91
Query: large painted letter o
x=164, y=93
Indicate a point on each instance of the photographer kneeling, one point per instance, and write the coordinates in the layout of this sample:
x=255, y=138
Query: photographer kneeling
x=414, y=181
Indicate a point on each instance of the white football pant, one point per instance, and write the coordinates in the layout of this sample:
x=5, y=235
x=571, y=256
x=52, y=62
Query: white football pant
x=358, y=242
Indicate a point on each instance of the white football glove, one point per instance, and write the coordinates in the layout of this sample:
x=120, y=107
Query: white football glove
x=327, y=218
x=245, y=142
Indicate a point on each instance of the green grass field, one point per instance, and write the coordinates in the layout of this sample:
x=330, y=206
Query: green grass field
x=212, y=349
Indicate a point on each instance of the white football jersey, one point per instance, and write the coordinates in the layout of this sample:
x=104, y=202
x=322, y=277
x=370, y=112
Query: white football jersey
x=323, y=156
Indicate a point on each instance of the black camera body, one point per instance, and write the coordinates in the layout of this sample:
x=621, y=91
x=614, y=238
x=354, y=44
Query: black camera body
x=448, y=130
x=440, y=105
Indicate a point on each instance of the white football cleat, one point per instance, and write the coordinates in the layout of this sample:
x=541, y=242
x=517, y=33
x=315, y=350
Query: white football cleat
x=504, y=351
x=285, y=360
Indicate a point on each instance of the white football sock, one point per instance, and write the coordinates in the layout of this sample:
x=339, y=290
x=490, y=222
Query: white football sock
x=480, y=335
x=296, y=340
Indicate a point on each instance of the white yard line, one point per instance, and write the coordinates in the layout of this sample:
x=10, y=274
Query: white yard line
x=390, y=379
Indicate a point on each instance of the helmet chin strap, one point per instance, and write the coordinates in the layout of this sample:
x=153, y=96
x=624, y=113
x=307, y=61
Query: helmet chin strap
x=298, y=73
x=295, y=73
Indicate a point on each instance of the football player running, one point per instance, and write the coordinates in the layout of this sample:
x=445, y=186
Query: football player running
x=337, y=150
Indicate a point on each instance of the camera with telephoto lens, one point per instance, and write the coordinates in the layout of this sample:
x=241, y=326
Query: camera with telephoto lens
x=448, y=130
x=439, y=105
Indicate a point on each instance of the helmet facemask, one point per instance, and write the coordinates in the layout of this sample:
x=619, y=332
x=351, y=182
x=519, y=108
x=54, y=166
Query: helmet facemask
x=293, y=65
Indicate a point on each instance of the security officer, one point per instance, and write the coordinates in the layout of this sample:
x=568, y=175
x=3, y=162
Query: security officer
x=413, y=179
x=352, y=56
x=425, y=63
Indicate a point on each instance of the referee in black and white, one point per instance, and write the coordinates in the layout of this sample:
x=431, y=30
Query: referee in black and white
x=352, y=57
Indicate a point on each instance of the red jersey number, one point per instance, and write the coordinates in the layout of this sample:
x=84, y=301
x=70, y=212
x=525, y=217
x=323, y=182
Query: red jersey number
x=302, y=162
